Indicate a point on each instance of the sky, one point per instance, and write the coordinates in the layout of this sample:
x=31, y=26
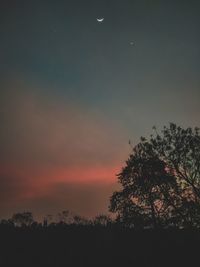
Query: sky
x=74, y=91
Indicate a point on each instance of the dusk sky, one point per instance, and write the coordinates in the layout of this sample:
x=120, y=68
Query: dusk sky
x=74, y=91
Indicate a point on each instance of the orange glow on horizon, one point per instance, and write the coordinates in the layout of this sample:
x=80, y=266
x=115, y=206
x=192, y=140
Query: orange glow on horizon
x=38, y=182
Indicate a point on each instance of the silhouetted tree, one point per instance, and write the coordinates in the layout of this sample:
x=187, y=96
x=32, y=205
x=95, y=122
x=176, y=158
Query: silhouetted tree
x=79, y=220
x=161, y=180
x=102, y=219
x=180, y=149
x=145, y=183
x=22, y=219
x=48, y=219
x=65, y=217
x=8, y=223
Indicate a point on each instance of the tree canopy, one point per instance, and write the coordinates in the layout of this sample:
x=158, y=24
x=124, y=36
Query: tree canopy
x=161, y=181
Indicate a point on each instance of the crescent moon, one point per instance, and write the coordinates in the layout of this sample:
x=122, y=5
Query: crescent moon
x=100, y=20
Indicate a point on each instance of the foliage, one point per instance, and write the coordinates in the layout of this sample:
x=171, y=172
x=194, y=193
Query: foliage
x=22, y=219
x=161, y=181
x=79, y=220
x=65, y=217
x=102, y=219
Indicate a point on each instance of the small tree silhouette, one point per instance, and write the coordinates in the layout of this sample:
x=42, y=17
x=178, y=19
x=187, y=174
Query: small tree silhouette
x=102, y=219
x=65, y=217
x=80, y=220
x=23, y=219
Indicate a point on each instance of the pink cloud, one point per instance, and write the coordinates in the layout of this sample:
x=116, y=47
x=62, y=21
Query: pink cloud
x=47, y=141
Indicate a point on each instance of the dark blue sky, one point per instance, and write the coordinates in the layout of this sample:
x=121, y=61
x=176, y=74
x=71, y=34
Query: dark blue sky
x=60, y=45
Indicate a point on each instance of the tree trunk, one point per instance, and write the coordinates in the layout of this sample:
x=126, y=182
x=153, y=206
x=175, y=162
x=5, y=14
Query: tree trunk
x=153, y=213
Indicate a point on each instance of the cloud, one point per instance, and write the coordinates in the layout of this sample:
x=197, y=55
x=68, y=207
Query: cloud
x=82, y=191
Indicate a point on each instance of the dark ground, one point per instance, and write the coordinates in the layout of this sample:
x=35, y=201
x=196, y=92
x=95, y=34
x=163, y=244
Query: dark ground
x=98, y=246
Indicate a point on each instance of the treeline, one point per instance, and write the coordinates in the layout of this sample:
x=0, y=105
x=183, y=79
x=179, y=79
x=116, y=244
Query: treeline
x=64, y=218
x=78, y=244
